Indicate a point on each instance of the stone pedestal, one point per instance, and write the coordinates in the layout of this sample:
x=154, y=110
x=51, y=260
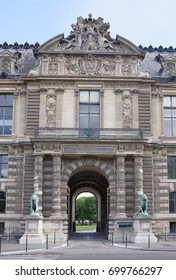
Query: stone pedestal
x=33, y=231
x=54, y=228
x=121, y=227
x=142, y=231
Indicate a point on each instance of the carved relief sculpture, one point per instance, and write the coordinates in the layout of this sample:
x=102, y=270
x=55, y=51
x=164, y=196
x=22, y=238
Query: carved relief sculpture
x=127, y=111
x=51, y=109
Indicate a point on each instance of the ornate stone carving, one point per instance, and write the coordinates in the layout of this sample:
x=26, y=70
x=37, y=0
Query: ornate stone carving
x=90, y=65
x=168, y=64
x=160, y=152
x=130, y=147
x=89, y=34
x=127, y=111
x=53, y=65
x=41, y=147
x=126, y=67
x=17, y=150
x=8, y=62
x=88, y=161
x=51, y=109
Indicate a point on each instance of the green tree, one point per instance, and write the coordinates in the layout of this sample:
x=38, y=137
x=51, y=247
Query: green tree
x=86, y=208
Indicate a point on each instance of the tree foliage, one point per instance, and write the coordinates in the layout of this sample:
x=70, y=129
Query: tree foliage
x=86, y=208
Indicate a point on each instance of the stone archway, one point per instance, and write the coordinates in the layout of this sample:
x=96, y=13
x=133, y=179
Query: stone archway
x=94, y=192
x=87, y=179
x=74, y=178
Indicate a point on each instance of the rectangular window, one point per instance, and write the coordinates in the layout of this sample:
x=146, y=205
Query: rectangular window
x=169, y=115
x=6, y=112
x=89, y=113
x=2, y=228
x=3, y=166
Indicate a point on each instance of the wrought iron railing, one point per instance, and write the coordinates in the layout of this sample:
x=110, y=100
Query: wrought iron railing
x=89, y=133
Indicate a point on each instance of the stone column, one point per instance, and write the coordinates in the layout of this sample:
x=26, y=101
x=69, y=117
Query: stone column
x=38, y=180
x=120, y=165
x=138, y=179
x=56, y=190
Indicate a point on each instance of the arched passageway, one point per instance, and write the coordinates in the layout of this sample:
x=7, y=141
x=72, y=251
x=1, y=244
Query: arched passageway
x=97, y=184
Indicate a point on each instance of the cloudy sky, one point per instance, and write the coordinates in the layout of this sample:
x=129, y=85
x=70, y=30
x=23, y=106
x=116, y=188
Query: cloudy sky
x=142, y=22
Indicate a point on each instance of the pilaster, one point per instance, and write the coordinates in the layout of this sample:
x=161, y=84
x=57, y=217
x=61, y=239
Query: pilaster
x=120, y=192
x=56, y=191
x=138, y=179
x=38, y=180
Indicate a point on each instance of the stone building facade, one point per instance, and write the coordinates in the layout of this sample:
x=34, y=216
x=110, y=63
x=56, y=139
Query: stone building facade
x=87, y=113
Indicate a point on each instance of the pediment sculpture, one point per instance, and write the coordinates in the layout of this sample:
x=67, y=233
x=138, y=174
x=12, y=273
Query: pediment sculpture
x=89, y=34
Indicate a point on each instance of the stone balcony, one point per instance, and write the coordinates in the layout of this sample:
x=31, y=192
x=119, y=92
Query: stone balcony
x=112, y=134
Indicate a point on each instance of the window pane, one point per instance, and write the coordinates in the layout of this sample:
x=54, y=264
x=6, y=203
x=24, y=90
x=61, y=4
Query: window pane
x=94, y=96
x=167, y=113
x=84, y=96
x=4, y=171
x=167, y=127
x=8, y=111
x=173, y=101
x=9, y=99
x=94, y=121
x=173, y=112
x=2, y=100
x=1, y=112
x=84, y=108
x=83, y=122
x=94, y=109
x=174, y=127
x=171, y=206
x=8, y=130
x=171, y=195
x=166, y=101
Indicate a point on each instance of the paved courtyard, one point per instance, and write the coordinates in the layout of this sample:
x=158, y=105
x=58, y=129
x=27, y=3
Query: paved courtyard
x=90, y=246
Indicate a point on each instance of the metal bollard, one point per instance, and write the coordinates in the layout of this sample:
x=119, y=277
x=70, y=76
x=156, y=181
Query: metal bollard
x=123, y=237
x=67, y=239
x=47, y=241
x=54, y=237
x=26, y=243
x=148, y=241
x=126, y=239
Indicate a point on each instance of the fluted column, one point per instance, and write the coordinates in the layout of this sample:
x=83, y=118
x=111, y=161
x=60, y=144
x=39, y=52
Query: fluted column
x=120, y=165
x=38, y=180
x=56, y=190
x=138, y=179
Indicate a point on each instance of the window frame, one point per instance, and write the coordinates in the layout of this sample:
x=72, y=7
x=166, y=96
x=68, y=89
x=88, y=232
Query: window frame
x=3, y=162
x=2, y=202
x=92, y=107
x=6, y=115
x=170, y=119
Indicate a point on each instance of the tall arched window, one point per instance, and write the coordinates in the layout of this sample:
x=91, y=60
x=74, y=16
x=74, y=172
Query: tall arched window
x=2, y=202
x=172, y=202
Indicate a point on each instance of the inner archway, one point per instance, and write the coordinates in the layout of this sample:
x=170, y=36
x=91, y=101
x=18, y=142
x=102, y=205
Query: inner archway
x=86, y=212
x=97, y=184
